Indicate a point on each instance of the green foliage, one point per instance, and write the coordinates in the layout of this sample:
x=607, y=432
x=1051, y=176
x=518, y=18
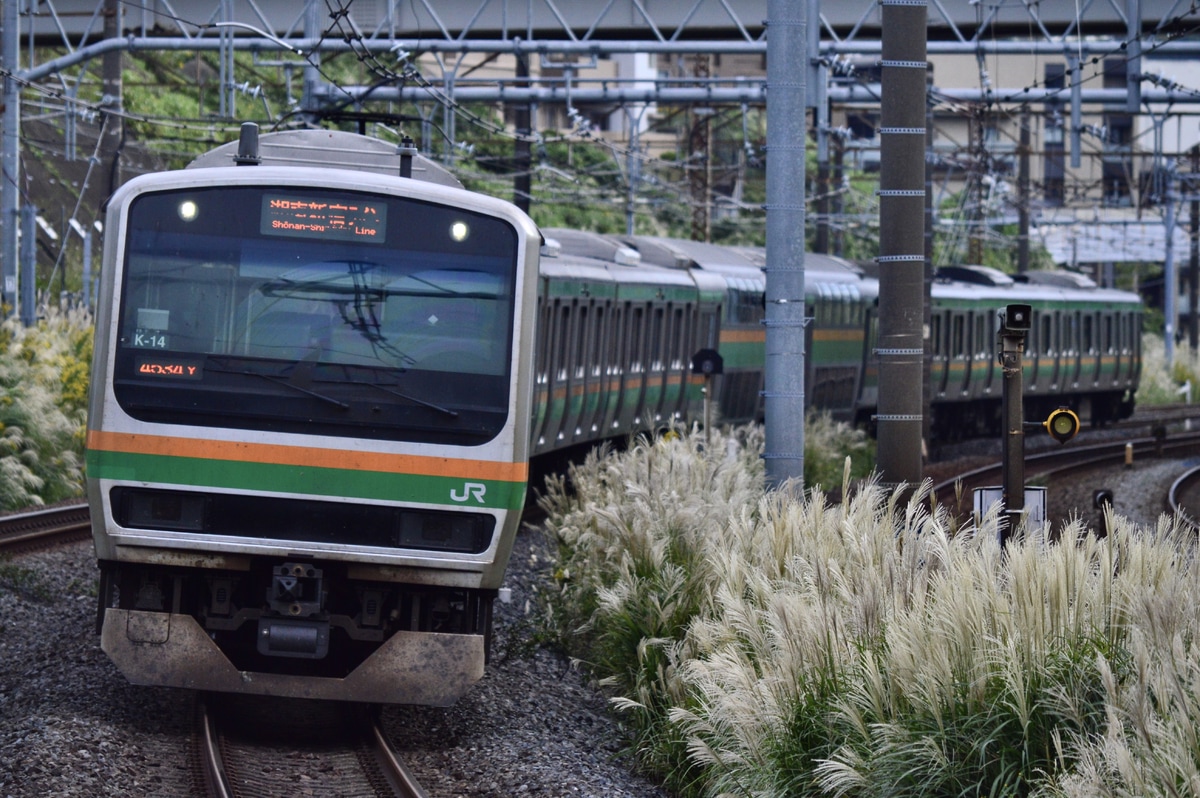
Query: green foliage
x=828, y=444
x=1159, y=383
x=43, y=394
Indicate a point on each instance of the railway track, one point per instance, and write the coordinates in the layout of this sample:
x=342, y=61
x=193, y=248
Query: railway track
x=957, y=493
x=31, y=530
x=268, y=747
x=1184, y=498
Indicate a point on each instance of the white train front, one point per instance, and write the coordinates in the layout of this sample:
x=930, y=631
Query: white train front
x=309, y=422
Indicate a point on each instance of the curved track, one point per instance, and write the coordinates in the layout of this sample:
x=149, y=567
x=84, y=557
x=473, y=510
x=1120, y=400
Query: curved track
x=1184, y=499
x=956, y=493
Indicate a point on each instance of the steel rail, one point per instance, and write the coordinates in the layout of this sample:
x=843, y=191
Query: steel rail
x=34, y=529
x=398, y=775
x=947, y=491
x=1183, y=485
x=216, y=780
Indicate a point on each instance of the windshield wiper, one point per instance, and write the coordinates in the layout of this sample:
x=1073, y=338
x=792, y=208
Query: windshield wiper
x=300, y=377
x=408, y=398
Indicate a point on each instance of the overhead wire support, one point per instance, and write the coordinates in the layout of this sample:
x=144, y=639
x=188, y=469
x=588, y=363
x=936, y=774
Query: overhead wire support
x=902, y=250
x=783, y=389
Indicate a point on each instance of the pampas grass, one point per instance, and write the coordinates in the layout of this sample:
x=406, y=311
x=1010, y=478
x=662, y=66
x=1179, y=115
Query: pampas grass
x=43, y=397
x=1158, y=384
x=775, y=644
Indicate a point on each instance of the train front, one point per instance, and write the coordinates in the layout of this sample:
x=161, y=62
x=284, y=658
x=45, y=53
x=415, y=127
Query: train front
x=308, y=430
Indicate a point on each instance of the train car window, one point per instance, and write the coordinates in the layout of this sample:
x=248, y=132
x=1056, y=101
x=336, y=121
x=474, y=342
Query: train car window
x=1088, y=332
x=1046, y=337
x=746, y=303
x=316, y=311
x=1107, y=345
x=935, y=332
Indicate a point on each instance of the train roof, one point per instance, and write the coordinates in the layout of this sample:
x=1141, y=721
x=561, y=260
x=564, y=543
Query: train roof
x=983, y=283
x=585, y=244
x=684, y=254
x=678, y=253
x=330, y=149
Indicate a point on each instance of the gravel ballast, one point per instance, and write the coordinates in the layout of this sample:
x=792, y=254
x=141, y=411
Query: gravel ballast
x=70, y=725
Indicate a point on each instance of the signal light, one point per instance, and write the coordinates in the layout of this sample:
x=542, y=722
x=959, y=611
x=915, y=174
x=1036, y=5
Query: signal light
x=1062, y=424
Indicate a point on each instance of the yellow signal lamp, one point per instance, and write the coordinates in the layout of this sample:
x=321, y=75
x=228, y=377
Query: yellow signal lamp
x=1062, y=424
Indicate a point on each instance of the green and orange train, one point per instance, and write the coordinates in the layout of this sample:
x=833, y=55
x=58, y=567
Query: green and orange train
x=322, y=369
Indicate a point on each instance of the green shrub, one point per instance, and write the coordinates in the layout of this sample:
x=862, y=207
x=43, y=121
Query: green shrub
x=43, y=397
x=1160, y=384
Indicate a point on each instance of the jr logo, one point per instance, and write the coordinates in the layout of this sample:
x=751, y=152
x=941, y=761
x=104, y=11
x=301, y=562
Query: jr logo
x=475, y=490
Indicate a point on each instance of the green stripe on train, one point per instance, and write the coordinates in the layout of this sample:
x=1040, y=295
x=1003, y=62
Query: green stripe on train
x=204, y=474
x=738, y=355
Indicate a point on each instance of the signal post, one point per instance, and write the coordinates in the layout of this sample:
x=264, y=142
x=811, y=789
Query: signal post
x=1062, y=424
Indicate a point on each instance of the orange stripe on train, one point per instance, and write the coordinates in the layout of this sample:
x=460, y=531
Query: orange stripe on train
x=276, y=454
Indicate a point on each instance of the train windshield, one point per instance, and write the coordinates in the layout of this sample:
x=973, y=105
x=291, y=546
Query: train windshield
x=317, y=311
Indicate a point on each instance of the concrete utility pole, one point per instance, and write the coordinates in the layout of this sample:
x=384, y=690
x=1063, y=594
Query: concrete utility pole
x=9, y=158
x=113, y=127
x=901, y=346
x=522, y=158
x=1193, y=270
x=700, y=158
x=783, y=394
x=1023, y=195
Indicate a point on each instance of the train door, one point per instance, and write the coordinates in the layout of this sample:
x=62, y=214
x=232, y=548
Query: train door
x=1033, y=351
x=655, y=394
x=1123, y=348
x=578, y=371
x=596, y=366
x=634, y=382
x=1089, y=347
x=554, y=377
x=541, y=387
x=939, y=368
x=983, y=346
x=1070, y=349
x=959, y=379
x=682, y=331
x=614, y=365
x=1050, y=350
x=868, y=385
x=707, y=335
x=1108, y=348
x=1135, y=347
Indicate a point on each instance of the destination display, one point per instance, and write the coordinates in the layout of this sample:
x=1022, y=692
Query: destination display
x=342, y=219
x=169, y=368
